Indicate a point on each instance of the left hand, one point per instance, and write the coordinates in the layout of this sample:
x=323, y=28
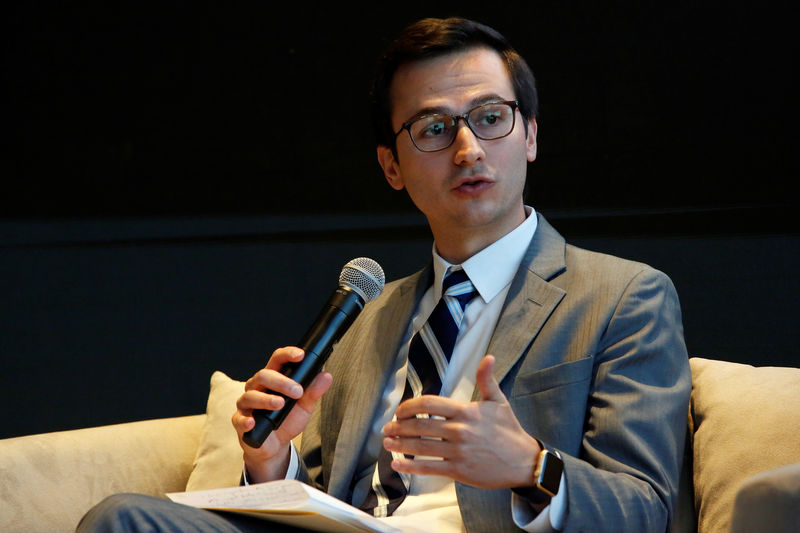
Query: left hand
x=480, y=443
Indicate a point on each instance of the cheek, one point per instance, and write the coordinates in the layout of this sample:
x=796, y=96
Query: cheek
x=422, y=192
x=516, y=165
x=417, y=191
x=419, y=173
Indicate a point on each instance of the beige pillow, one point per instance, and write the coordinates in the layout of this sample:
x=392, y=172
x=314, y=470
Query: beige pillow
x=218, y=462
x=746, y=421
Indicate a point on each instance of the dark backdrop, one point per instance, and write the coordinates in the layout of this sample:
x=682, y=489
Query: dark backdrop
x=183, y=181
x=244, y=107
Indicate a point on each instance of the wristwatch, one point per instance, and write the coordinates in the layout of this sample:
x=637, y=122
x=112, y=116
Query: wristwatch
x=546, y=477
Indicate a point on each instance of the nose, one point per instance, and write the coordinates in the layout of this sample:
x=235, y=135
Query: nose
x=468, y=147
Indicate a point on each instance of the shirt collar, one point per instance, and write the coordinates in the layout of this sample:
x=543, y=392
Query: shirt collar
x=491, y=269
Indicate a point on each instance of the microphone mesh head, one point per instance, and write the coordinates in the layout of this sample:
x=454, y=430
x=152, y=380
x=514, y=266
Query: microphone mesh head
x=365, y=276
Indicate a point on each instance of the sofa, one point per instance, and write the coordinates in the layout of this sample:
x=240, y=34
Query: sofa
x=741, y=470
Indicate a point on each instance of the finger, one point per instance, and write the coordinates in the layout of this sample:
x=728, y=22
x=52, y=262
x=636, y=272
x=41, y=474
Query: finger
x=318, y=386
x=255, y=399
x=300, y=413
x=281, y=356
x=270, y=378
x=273, y=381
x=241, y=423
x=421, y=447
x=428, y=404
x=487, y=385
x=242, y=418
x=420, y=427
x=428, y=467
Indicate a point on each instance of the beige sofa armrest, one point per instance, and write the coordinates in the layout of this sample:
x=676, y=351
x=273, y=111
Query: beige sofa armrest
x=49, y=481
x=768, y=502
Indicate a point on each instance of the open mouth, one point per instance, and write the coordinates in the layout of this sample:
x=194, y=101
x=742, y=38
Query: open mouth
x=473, y=185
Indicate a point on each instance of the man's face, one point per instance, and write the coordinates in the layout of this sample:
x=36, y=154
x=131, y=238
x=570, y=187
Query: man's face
x=472, y=189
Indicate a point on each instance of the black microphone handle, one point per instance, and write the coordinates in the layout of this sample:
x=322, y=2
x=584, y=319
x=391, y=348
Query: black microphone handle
x=335, y=318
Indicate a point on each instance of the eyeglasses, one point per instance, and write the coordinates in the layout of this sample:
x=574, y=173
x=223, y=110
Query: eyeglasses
x=431, y=133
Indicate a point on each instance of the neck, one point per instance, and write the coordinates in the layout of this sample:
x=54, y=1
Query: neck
x=457, y=253
x=457, y=244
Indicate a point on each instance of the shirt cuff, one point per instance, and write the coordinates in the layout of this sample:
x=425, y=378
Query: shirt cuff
x=550, y=519
x=291, y=472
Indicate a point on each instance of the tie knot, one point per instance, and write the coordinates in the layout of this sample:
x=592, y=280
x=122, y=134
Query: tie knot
x=457, y=285
x=454, y=277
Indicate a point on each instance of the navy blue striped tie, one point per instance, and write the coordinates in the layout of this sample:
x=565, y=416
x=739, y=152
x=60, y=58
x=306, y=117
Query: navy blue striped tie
x=428, y=355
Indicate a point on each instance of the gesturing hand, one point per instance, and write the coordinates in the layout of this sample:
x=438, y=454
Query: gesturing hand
x=479, y=443
x=271, y=460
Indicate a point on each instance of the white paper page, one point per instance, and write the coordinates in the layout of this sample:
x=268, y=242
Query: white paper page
x=285, y=494
x=276, y=495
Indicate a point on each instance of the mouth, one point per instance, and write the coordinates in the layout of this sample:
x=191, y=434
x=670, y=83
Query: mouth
x=472, y=185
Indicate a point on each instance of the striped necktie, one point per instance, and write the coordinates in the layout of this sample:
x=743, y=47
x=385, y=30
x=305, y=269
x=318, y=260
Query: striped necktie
x=428, y=355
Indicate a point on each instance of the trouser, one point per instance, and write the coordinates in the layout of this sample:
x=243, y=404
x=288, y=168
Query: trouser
x=137, y=513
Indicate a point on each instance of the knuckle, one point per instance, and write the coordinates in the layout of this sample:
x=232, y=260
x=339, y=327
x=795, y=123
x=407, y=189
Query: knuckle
x=426, y=403
x=264, y=375
x=461, y=432
x=259, y=380
x=469, y=411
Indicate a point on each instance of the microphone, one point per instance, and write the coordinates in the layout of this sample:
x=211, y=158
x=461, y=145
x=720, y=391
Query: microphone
x=360, y=281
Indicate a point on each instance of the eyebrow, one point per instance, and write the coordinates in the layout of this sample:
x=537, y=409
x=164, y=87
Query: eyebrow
x=475, y=102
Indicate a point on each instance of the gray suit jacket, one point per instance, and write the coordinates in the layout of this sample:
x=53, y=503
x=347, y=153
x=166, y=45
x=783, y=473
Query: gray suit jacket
x=590, y=354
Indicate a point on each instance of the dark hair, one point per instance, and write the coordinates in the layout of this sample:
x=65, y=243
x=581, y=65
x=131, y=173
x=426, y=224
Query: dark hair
x=433, y=37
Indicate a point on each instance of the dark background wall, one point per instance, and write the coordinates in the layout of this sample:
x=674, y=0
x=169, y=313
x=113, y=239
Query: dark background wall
x=183, y=182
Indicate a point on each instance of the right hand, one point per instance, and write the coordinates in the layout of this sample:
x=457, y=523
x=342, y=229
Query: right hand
x=271, y=460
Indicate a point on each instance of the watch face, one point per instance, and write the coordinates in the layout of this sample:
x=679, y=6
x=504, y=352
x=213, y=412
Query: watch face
x=550, y=473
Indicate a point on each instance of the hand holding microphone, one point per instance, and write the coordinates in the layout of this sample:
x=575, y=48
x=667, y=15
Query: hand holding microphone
x=360, y=281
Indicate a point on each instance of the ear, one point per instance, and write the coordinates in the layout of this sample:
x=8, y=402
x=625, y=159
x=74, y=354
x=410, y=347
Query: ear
x=530, y=141
x=391, y=168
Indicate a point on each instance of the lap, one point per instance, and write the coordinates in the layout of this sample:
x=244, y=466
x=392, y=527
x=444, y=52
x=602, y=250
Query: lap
x=131, y=513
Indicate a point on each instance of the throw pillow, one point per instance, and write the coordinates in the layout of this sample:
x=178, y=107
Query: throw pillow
x=745, y=422
x=218, y=462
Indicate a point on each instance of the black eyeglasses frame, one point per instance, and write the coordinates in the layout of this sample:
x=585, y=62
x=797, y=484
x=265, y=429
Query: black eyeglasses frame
x=514, y=104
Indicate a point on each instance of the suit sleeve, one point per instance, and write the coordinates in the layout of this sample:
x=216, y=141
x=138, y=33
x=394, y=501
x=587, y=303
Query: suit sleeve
x=626, y=476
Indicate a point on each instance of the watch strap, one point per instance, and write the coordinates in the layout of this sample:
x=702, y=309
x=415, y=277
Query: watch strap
x=547, y=482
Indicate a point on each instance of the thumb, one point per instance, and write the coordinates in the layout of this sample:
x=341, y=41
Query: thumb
x=487, y=385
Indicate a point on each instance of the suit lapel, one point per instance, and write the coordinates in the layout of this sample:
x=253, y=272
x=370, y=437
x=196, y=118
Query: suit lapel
x=531, y=299
x=382, y=341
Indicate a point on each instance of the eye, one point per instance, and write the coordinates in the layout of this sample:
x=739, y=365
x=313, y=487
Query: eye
x=489, y=116
x=431, y=126
x=434, y=129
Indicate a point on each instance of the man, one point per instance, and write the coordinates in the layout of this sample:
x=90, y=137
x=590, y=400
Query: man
x=588, y=362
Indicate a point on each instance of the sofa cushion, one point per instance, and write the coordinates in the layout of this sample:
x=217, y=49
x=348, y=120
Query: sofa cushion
x=745, y=421
x=218, y=462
